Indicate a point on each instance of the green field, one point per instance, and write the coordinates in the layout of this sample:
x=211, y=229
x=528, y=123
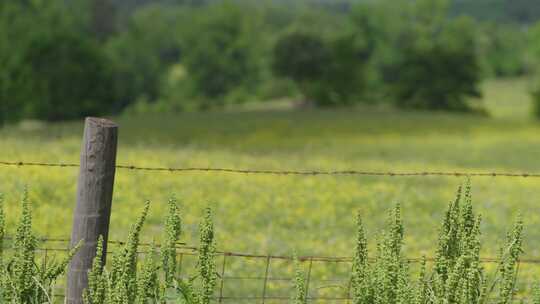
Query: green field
x=314, y=215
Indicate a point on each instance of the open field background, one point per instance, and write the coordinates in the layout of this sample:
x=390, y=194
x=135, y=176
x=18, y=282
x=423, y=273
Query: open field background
x=256, y=214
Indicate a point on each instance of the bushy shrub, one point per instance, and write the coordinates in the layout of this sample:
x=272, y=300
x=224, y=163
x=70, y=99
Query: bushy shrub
x=301, y=57
x=52, y=68
x=439, y=68
x=457, y=275
x=503, y=50
x=220, y=53
x=328, y=72
x=69, y=77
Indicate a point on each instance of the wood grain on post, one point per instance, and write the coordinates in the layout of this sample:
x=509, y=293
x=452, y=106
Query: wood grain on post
x=94, y=200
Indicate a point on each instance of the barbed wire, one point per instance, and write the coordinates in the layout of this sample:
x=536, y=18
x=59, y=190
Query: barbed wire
x=287, y=172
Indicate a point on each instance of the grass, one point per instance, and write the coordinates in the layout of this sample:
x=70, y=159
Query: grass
x=257, y=214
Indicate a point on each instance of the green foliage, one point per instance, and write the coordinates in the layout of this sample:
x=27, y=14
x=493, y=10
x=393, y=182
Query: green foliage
x=103, y=23
x=503, y=50
x=536, y=102
x=148, y=286
x=457, y=275
x=224, y=57
x=534, y=49
x=173, y=230
x=123, y=277
x=328, y=72
x=344, y=81
x=301, y=56
x=360, y=275
x=125, y=283
x=421, y=58
x=299, y=283
x=536, y=293
x=155, y=280
x=69, y=76
x=22, y=279
x=143, y=52
x=199, y=289
x=227, y=50
x=97, y=280
x=51, y=71
x=439, y=68
x=508, y=11
x=206, y=263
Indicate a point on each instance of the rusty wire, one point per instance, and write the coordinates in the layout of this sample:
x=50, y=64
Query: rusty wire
x=285, y=172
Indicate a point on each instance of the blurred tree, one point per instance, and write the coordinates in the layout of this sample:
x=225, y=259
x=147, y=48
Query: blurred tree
x=344, y=80
x=103, y=19
x=534, y=50
x=49, y=64
x=327, y=73
x=536, y=102
x=502, y=49
x=142, y=53
x=69, y=77
x=302, y=57
x=385, y=22
x=500, y=11
x=20, y=22
x=12, y=23
x=437, y=66
x=522, y=11
x=220, y=53
x=533, y=46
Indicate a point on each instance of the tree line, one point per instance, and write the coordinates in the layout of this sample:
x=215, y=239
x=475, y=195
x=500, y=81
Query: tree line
x=63, y=60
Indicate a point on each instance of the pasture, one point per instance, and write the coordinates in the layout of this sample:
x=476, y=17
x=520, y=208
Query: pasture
x=256, y=213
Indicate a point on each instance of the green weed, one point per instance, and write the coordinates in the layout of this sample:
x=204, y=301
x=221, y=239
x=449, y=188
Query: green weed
x=22, y=279
x=457, y=275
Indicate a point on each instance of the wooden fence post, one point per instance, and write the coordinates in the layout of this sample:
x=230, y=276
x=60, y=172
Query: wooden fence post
x=94, y=199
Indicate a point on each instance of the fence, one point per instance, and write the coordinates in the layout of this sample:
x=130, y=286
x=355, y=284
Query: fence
x=264, y=279
x=92, y=214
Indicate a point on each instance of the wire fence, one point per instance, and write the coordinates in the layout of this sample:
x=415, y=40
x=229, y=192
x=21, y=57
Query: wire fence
x=286, y=172
x=266, y=279
x=263, y=279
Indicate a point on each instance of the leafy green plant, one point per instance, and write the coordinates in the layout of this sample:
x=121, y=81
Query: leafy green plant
x=536, y=294
x=125, y=282
x=199, y=289
x=457, y=275
x=156, y=280
x=206, y=263
x=173, y=230
x=299, y=283
x=22, y=278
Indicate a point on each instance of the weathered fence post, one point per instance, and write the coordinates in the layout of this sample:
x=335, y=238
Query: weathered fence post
x=94, y=199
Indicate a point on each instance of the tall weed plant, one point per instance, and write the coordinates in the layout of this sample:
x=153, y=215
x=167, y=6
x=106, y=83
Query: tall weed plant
x=457, y=275
x=23, y=279
x=156, y=279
